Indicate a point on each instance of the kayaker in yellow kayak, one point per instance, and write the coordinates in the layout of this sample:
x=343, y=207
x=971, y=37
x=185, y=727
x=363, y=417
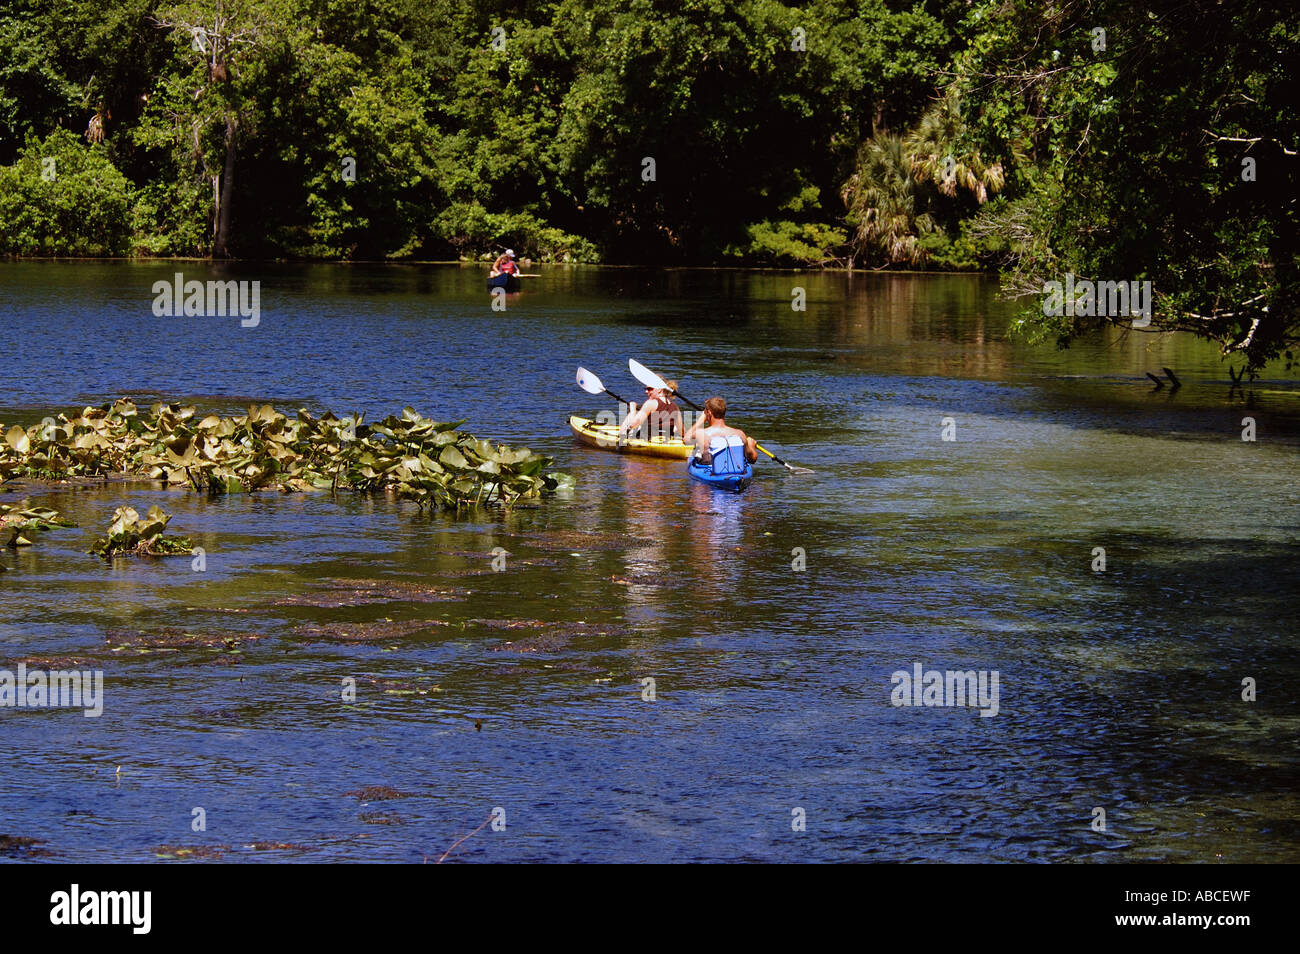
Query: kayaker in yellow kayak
x=660, y=410
x=712, y=435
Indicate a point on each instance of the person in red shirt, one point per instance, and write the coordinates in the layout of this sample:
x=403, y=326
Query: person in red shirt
x=504, y=265
x=662, y=412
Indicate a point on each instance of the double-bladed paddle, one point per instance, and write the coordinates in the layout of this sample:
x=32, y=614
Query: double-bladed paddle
x=650, y=379
x=591, y=384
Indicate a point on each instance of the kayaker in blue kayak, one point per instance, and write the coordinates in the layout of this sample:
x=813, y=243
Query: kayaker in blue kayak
x=660, y=410
x=723, y=448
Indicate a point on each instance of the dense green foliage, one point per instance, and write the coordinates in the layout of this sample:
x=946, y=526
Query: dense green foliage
x=1162, y=149
x=1096, y=137
x=403, y=128
x=62, y=198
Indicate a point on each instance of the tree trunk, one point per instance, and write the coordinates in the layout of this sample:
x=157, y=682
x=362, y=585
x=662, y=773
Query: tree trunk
x=221, y=246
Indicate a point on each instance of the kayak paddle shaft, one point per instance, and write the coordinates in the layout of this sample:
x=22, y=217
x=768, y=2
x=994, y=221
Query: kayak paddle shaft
x=648, y=377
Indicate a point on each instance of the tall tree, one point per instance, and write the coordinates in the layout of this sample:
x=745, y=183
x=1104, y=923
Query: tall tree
x=221, y=35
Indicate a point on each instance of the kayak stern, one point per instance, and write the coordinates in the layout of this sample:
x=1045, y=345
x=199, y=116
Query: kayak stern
x=731, y=482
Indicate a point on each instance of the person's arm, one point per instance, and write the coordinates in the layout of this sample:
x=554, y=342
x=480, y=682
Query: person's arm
x=637, y=419
x=689, y=436
x=677, y=421
x=751, y=448
x=702, y=451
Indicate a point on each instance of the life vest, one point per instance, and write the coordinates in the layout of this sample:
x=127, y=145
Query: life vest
x=728, y=455
x=509, y=268
x=663, y=420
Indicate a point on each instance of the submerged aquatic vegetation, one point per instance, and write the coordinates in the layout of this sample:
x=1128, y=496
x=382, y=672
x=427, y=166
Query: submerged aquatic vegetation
x=428, y=461
x=331, y=594
x=21, y=846
x=172, y=639
x=381, y=818
x=378, y=793
x=130, y=533
x=184, y=852
x=583, y=540
x=217, y=852
x=376, y=631
x=557, y=635
x=23, y=522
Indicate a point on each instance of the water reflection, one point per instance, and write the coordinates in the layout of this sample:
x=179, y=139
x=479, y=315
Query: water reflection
x=718, y=531
x=650, y=501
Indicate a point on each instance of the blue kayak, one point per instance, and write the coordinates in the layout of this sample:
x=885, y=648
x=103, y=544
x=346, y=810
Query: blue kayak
x=509, y=282
x=725, y=481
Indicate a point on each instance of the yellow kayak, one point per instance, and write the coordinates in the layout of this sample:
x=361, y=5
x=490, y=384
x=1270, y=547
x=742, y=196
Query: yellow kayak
x=605, y=437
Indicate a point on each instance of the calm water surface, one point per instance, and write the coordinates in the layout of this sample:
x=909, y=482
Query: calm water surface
x=523, y=689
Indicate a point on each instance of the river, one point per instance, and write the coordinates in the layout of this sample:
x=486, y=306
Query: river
x=771, y=623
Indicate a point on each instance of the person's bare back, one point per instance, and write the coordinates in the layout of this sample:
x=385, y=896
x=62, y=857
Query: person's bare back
x=714, y=425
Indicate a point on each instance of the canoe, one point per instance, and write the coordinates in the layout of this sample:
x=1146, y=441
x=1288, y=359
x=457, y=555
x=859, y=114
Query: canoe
x=605, y=437
x=733, y=482
x=509, y=282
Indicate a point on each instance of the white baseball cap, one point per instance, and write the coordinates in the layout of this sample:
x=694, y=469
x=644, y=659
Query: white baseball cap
x=510, y=252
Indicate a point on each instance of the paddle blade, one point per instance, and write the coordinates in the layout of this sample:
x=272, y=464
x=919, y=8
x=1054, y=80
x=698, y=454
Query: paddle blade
x=589, y=382
x=645, y=375
x=792, y=468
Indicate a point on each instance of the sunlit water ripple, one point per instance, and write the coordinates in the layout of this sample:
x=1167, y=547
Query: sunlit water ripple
x=1119, y=690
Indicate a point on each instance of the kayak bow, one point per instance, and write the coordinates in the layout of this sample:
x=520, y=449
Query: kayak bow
x=605, y=437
